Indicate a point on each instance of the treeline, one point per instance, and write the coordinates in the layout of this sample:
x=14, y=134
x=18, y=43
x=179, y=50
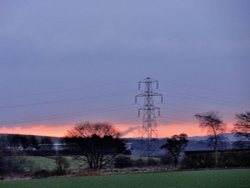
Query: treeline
x=226, y=159
x=15, y=144
x=190, y=160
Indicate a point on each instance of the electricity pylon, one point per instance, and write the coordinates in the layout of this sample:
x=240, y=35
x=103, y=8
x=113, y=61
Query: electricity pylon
x=149, y=123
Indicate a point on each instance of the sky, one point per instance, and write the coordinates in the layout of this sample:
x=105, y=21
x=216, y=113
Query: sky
x=63, y=62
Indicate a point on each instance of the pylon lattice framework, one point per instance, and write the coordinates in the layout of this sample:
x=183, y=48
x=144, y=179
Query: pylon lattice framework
x=149, y=124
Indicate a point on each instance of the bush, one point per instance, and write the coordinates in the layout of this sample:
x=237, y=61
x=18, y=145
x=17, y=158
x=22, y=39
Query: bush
x=200, y=160
x=43, y=173
x=167, y=160
x=123, y=162
x=2, y=169
x=13, y=164
x=234, y=159
x=152, y=162
x=229, y=158
x=62, y=164
x=139, y=163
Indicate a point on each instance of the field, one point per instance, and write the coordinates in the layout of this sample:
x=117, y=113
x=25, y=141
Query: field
x=237, y=178
x=34, y=163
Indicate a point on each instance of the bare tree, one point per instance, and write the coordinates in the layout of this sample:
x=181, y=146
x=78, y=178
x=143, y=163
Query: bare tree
x=86, y=129
x=99, y=143
x=175, y=146
x=242, y=129
x=215, y=126
x=33, y=142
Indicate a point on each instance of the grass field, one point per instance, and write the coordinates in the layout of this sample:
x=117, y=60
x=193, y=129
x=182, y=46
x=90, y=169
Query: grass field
x=236, y=178
x=34, y=163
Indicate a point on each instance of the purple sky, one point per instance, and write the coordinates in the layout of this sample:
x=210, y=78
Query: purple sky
x=65, y=61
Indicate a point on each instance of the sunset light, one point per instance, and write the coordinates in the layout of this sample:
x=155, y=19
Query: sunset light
x=131, y=130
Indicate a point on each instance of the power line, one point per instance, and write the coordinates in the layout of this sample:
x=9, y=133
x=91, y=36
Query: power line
x=65, y=115
x=221, y=101
x=168, y=117
x=65, y=90
x=189, y=112
x=201, y=88
x=67, y=100
x=202, y=100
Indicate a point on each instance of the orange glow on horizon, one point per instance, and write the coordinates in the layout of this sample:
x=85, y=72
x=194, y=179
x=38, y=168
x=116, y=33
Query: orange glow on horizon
x=128, y=131
x=39, y=130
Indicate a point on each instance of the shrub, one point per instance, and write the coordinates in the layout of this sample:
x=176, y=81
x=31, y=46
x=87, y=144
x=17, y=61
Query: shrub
x=152, y=162
x=139, y=163
x=167, y=160
x=62, y=164
x=13, y=164
x=43, y=173
x=230, y=158
x=200, y=160
x=123, y=162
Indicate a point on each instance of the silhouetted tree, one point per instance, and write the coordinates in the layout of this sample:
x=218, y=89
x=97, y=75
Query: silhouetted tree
x=215, y=126
x=175, y=146
x=86, y=129
x=33, y=142
x=46, y=144
x=18, y=141
x=97, y=142
x=4, y=142
x=14, y=140
x=24, y=141
x=123, y=162
x=242, y=129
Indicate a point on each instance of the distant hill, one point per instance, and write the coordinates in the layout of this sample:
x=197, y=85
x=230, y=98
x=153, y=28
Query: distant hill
x=138, y=145
x=54, y=139
x=196, y=143
x=229, y=136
